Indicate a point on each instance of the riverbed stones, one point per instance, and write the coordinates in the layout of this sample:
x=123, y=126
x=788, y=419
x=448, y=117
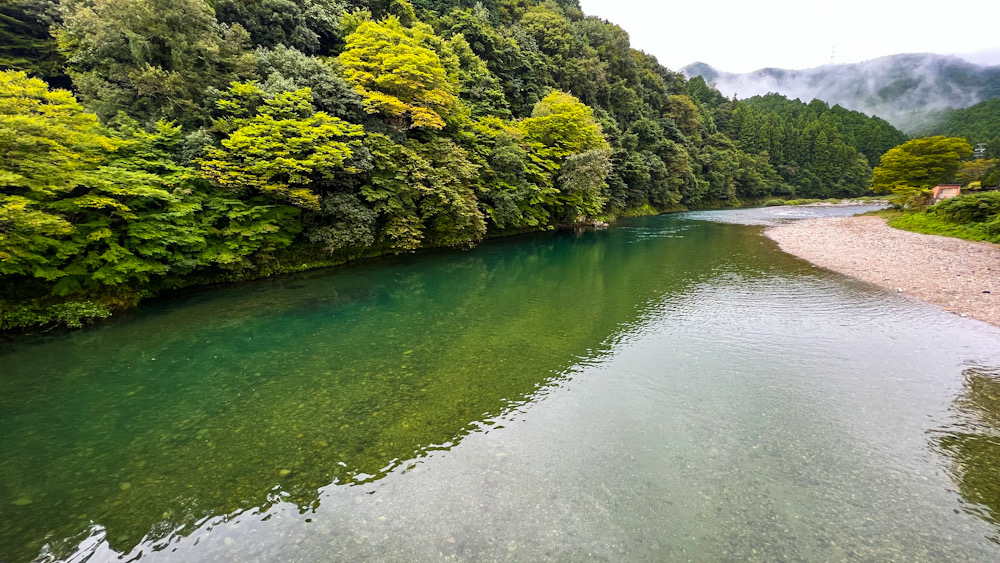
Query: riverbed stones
x=961, y=276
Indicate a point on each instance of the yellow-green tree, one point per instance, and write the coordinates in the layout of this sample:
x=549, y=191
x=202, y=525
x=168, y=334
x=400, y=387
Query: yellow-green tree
x=563, y=125
x=48, y=145
x=563, y=130
x=282, y=149
x=80, y=210
x=397, y=75
x=919, y=165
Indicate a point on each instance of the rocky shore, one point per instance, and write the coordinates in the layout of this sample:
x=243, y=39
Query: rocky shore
x=959, y=275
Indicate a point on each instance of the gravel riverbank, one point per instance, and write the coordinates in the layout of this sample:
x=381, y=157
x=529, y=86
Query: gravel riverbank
x=959, y=275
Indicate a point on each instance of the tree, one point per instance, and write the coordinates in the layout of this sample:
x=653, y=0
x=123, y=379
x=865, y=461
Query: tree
x=285, y=69
x=25, y=41
x=310, y=26
x=397, y=76
x=581, y=183
x=479, y=88
x=422, y=193
x=282, y=149
x=81, y=211
x=48, y=143
x=563, y=125
x=975, y=170
x=565, y=132
x=152, y=59
x=919, y=165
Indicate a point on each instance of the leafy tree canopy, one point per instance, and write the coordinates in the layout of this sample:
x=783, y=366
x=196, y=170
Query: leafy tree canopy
x=281, y=147
x=311, y=26
x=920, y=164
x=397, y=76
x=564, y=125
x=152, y=59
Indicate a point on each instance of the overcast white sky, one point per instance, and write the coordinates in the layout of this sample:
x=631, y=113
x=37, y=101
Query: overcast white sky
x=741, y=36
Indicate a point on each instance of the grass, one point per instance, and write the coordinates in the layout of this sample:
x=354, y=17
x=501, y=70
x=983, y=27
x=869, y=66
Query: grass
x=929, y=222
x=931, y=225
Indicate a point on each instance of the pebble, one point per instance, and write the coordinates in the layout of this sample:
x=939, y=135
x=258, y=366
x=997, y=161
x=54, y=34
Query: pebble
x=950, y=272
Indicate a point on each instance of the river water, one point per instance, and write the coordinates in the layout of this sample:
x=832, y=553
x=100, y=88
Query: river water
x=673, y=388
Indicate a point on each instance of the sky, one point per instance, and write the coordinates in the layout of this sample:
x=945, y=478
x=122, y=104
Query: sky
x=742, y=36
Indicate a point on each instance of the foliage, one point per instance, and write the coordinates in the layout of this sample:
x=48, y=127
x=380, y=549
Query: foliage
x=817, y=150
x=309, y=26
x=919, y=164
x=48, y=145
x=976, y=124
x=81, y=211
x=971, y=208
x=25, y=41
x=285, y=69
x=422, y=194
x=397, y=76
x=977, y=171
x=71, y=313
x=564, y=125
x=152, y=59
x=921, y=222
x=281, y=149
x=581, y=183
x=969, y=216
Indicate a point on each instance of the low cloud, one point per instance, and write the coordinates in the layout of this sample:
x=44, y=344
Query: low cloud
x=905, y=90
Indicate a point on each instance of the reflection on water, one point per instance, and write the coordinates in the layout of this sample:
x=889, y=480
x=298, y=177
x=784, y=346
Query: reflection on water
x=238, y=399
x=671, y=388
x=972, y=443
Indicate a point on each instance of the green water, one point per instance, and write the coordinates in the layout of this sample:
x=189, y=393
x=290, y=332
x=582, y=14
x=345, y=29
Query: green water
x=669, y=388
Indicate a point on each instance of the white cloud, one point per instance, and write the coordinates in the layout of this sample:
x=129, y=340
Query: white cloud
x=742, y=36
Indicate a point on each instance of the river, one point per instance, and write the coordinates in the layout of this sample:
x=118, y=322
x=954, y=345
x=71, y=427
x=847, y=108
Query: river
x=674, y=387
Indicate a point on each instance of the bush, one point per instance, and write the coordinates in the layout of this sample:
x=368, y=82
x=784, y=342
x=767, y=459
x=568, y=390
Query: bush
x=72, y=314
x=971, y=208
x=971, y=216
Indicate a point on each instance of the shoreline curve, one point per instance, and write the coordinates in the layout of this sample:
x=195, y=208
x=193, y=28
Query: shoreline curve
x=961, y=276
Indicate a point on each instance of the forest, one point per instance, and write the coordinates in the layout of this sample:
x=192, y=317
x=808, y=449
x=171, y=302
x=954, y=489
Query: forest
x=151, y=145
x=979, y=123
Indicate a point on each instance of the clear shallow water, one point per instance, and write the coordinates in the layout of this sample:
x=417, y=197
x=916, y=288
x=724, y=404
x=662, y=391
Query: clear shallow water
x=670, y=388
x=767, y=216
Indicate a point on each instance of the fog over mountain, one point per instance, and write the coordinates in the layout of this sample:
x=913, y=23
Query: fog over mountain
x=906, y=90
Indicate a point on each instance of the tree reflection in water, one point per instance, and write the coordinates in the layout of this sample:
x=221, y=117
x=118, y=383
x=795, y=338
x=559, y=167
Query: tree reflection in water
x=972, y=443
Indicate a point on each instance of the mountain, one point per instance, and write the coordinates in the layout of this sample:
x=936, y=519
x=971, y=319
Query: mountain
x=906, y=90
x=977, y=124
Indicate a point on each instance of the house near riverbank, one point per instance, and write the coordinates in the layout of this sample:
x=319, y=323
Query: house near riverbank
x=945, y=191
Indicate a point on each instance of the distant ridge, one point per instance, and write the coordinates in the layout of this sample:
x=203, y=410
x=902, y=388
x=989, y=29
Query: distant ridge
x=906, y=90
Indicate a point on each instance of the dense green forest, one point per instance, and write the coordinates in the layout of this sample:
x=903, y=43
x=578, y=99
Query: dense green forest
x=152, y=144
x=976, y=124
x=817, y=150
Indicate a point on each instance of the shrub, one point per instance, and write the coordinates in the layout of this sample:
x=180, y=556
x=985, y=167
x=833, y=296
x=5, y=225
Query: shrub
x=971, y=208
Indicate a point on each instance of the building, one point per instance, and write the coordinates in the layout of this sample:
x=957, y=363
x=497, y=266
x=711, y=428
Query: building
x=945, y=191
x=980, y=151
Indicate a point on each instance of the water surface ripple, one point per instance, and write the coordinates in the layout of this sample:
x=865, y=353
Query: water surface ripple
x=671, y=388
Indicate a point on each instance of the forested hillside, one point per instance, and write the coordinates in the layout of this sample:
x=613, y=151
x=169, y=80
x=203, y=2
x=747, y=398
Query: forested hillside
x=818, y=150
x=905, y=89
x=977, y=124
x=225, y=140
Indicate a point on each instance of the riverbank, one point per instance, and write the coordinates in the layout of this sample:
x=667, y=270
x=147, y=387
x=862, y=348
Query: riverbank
x=959, y=275
x=20, y=314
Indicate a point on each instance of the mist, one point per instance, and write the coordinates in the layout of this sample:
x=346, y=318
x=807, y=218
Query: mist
x=905, y=90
